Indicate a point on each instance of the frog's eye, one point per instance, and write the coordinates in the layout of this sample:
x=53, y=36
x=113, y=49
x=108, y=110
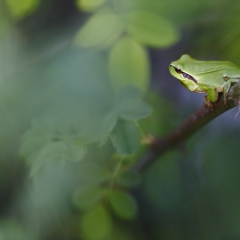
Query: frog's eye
x=185, y=75
x=178, y=70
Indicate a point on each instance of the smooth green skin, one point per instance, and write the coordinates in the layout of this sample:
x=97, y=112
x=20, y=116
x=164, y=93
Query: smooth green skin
x=209, y=77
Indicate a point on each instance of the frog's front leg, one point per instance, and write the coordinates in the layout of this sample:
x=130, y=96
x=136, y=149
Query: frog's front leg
x=212, y=96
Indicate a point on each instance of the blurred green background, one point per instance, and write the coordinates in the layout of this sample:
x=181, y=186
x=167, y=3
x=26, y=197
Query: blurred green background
x=81, y=83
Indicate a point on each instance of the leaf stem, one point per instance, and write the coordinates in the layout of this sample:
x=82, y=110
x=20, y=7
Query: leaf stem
x=115, y=173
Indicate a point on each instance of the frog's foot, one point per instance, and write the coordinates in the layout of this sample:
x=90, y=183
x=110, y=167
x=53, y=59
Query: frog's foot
x=208, y=103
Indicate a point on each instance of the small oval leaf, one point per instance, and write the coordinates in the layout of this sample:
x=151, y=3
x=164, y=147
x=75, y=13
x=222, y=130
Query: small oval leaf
x=96, y=224
x=101, y=30
x=129, y=64
x=123, y=204
x=151, y=29
x=134, y=110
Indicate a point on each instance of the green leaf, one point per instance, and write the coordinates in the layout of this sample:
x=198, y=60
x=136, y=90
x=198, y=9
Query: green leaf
x=89, y=5
x=39, y=135
x=47, y=175
x=75, y=152
x=96, y=224
x=123, y=204
x=128, y=64
x=101, y=30
x=57, y=151
x=134, y=110
x=125, y=137
x=151, y=29
x=51, y=152
x=99, y=129
x=129, y=179
x=108, y=125
x=19, y=9
x=38, y=180
x=86, y=197
x=127, y=92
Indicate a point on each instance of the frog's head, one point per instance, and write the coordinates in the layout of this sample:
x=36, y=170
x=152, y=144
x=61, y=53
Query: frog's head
x=181, y=69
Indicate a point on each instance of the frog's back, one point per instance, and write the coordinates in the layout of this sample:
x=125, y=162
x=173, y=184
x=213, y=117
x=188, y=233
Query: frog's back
x=202, y=67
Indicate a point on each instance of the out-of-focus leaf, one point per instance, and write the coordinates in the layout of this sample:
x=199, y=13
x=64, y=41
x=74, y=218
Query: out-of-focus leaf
x=129, y=179
x=39, y=135
x=96, y=223
x=108, y=124
x=129, y=64
x=151, y=29
x=89, y=5
x=99, y=129
x=52, y=181
x=45, y=137
x=45, y=175
x=123, y=204
x=86, y=197
x=127, y=92
x=101, y=30
x=51, y=152
x=75, y=152
x=57, y=151
x=19, y=9
x=134, y=110
x=125, y=137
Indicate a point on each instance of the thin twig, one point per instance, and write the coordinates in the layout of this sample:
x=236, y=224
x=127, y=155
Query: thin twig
x=199, y=119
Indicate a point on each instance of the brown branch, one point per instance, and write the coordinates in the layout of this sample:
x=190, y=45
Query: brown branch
x=195, y=122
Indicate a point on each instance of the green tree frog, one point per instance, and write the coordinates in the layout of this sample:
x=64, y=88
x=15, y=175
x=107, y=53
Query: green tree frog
x=210, y=77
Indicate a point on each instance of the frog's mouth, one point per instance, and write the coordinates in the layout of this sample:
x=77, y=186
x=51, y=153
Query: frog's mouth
x=185, y=75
